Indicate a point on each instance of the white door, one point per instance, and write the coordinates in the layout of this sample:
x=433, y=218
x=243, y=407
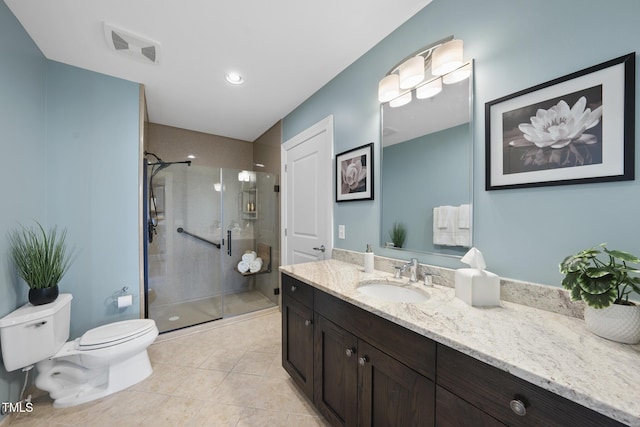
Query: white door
x=307, y=202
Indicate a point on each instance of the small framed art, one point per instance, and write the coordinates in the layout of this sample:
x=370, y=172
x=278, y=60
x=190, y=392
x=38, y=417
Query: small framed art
x=354, y=174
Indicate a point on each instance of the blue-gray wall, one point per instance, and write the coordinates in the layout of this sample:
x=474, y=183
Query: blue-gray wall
x=523, y=233
x=23, y=163
x=92, y=188
x=69, y=156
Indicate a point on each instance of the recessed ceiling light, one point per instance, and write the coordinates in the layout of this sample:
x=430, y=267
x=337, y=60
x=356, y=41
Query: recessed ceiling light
x=191, y=156
x=234, y=78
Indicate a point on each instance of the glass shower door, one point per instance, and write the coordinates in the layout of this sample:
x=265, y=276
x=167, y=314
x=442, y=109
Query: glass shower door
x=184, y=285
x=250, y=214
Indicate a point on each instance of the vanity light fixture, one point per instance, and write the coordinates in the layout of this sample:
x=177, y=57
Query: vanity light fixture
x=457, y=75
x=429, y=89
x=389, y=88
x=411, y=72
x=417, y=71
x=447, y=57
x=401, y=100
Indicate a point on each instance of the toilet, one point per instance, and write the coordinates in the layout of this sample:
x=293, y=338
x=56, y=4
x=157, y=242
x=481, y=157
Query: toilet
x=103, y=361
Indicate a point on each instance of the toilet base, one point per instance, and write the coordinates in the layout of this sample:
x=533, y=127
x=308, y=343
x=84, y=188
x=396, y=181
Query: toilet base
x=68, y=386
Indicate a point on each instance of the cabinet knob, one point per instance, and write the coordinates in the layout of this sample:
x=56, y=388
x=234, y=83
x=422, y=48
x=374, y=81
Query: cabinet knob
x=294, y=288
x=349, y=352
x=363, y=360
x=518, y=407
x=307, y=323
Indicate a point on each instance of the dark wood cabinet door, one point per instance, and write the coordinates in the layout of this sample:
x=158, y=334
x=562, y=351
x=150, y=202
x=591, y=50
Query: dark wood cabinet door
x=391, y=394
x=297, y=343
x=336, y=373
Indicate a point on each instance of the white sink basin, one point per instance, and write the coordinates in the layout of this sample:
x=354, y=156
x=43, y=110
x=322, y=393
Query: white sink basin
x=391, y=291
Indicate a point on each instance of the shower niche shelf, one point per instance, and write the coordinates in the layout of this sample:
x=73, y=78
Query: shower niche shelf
x=264, y=252
x=249, y=203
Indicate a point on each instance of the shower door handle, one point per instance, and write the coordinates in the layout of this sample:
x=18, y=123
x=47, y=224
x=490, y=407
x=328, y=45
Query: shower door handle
x=229, y=242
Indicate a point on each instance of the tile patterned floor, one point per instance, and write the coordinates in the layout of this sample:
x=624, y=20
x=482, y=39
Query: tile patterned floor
x=221, y=375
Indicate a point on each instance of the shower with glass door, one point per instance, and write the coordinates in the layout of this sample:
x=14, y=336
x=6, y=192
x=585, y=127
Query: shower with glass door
x=200, y=222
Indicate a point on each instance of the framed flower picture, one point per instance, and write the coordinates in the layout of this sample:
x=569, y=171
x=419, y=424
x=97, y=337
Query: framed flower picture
x=354, y=174
x=572, y=130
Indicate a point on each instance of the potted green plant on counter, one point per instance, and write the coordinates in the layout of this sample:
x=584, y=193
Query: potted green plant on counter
x=41, y=260
x=398, y=234
x=603, y=279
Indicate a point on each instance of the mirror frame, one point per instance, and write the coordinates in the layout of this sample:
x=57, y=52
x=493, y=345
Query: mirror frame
x=471, y=174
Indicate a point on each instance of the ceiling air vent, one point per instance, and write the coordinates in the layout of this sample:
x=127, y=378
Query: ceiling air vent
x=130, y=44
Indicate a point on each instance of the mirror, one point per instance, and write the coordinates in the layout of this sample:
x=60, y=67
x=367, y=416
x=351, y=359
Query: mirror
x=427, y=171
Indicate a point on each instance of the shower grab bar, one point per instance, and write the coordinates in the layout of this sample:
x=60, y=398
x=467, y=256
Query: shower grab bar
x=183, y=231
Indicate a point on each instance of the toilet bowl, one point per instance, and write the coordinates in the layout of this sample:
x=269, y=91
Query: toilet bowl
x=102, y=361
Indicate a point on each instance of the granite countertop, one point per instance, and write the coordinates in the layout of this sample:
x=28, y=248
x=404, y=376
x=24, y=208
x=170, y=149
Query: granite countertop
x=550, y=350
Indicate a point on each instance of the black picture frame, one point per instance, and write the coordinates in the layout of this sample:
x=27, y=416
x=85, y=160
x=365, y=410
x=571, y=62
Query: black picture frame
x=535, y=137
x=354, y=174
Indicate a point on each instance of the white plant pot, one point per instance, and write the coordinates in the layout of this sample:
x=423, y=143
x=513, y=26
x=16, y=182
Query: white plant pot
x=620, y=323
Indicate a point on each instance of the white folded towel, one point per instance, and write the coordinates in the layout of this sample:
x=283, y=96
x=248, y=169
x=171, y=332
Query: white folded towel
x=249, y=256
x=243, y=266
x=464, y=216
x=444, y=218
x=255, y=265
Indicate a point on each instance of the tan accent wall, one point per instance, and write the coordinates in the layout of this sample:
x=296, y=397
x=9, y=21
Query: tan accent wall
x=266, y=150
x=175, y=144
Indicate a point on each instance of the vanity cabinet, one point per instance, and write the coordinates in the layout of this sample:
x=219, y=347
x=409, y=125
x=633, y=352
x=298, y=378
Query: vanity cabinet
x=297, y=332
x=487, y=391
x=360, y=369
x=367, y=371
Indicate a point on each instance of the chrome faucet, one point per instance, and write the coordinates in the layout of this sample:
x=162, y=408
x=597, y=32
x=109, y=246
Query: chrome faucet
x=412, y=265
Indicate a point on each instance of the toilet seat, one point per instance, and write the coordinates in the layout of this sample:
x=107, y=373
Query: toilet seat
x=114, y=333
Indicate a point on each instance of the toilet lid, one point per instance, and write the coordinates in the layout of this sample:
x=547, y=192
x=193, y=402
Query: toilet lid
x=115, y=333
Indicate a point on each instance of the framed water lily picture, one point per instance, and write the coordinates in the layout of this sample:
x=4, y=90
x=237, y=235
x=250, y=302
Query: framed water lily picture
x=571, y=130
x=354, y=174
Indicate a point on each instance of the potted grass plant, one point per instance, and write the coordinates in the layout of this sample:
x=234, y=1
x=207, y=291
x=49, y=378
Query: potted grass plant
x=41, y=259
x=398, y=234
x=604, y=279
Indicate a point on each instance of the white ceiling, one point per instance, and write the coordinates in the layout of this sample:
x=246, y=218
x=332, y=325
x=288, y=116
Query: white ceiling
x=285, y=49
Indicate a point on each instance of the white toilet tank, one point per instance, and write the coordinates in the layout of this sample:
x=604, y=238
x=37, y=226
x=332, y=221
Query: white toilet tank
x=34, y=332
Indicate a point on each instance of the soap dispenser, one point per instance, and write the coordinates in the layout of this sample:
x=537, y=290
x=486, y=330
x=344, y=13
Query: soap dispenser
x=368, y=260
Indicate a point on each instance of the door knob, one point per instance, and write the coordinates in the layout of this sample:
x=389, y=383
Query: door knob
x=307, y=323
x=363, y=360
x=321, y=249
x=349, y=352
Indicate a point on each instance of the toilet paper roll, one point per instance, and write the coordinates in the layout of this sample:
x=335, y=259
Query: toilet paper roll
x=125, y=301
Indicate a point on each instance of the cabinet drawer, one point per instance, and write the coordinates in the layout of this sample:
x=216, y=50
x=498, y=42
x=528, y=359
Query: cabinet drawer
x=451, y=411
x=492, y=390
x=297, y=290
x=411, y=349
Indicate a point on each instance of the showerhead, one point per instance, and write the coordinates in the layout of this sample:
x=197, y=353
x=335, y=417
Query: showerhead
x=158, y=166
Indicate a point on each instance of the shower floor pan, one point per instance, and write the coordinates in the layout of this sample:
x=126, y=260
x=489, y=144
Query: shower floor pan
x=169, y=317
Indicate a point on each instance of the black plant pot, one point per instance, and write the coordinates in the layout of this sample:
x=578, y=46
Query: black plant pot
x=43, y=295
